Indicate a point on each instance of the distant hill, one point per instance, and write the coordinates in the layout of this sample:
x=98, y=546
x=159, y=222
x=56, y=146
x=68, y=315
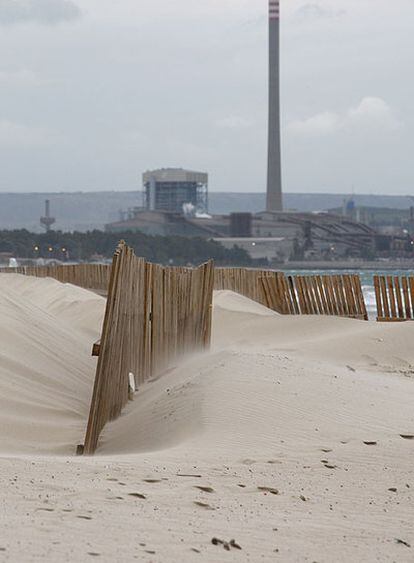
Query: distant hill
x=84, y=211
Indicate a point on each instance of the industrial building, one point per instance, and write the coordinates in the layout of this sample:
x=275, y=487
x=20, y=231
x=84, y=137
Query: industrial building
x=274, y=236
x=175, y=190
x=385, y=220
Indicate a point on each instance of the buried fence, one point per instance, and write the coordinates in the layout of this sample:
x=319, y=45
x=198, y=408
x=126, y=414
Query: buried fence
x=394, y=297
x=339, y=295
x=88, y=276
x=153, y=315
x=242, y=280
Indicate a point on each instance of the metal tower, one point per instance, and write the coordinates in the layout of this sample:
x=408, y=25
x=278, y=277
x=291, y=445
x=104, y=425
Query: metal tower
x=47, y=221
x=274, y=167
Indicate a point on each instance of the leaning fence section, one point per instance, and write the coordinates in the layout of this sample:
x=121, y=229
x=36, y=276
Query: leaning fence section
x=394, y=297
x=153, y=316
x=88, y=276
x=339, y=295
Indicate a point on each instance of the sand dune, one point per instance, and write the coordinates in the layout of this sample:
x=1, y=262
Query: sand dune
x=286, y=437
x=46, y=333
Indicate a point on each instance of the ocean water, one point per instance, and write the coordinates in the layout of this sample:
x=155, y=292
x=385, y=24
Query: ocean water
x=366, y=281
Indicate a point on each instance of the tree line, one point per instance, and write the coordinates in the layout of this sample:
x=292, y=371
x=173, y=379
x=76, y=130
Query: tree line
x=96, y=245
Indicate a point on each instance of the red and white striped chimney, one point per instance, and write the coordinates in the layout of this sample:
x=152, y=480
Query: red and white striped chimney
x=274, y=167
x=274, y=9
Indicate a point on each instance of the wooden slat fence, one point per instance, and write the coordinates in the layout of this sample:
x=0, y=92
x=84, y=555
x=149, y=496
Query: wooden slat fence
x=88, y=276
x=308, y=295
x=339, y=295
x=153, y=316
x=242, y=280
x=394, y=297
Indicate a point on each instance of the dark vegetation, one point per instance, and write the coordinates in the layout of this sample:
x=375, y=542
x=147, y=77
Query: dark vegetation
x=98, y=244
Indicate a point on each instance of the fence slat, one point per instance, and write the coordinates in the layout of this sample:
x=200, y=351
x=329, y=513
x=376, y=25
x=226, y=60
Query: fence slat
x=378, y=298
x=406, y=294
x=394, y=297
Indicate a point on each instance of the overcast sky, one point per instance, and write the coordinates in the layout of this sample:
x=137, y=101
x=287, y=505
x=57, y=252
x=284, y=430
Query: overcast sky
x=94, y=92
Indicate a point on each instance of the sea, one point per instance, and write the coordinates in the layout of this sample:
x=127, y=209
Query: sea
x=366, y=281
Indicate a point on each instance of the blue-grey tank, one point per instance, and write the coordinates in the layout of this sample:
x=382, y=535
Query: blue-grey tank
x=274, y=166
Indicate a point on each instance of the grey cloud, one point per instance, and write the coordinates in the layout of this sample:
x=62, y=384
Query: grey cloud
x=316, y=11
x=47, y=12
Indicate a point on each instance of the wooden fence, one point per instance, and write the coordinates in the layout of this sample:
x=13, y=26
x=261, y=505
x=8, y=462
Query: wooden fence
x=318, y=295
x=153, y=316
x=242, y=280
x=395, y=298
x=88, y=276
x=339, y=295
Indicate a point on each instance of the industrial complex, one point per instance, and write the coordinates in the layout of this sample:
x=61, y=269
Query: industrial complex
x=175, y=202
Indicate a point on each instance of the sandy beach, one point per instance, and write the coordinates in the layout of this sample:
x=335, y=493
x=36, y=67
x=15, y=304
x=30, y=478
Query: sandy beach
x=291, y=440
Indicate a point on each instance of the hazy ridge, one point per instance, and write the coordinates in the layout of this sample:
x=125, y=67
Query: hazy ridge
x=83, y=211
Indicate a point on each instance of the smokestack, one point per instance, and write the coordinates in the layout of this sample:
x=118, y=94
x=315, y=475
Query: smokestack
x=274, y=167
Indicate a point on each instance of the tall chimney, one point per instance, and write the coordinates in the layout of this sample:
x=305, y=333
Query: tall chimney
x=274, y=168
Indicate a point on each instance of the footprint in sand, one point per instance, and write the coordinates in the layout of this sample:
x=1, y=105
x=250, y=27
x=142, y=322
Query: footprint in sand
x=248, y=461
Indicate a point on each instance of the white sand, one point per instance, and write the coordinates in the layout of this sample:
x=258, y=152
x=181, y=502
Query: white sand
x=257, y=411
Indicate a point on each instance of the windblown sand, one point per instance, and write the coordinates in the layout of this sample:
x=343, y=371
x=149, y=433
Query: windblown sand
x=285, y=438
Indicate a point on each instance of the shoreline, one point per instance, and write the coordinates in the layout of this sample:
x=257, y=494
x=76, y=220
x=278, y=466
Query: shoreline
x=375, y=266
